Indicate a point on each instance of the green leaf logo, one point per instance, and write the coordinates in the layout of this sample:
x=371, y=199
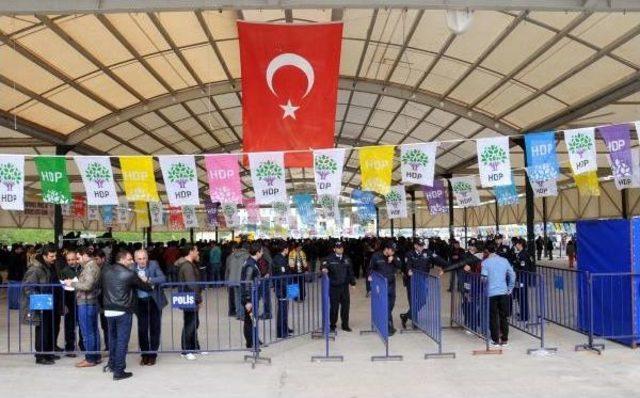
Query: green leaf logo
x=98, y=173
x=324, y=165
x=179, y=173
x=462, y=187
x=393, y=198
x=580, y=143
x=268, y=171
x=493, y=156
x=415, y=158
x=10, y=175
x=55, y=197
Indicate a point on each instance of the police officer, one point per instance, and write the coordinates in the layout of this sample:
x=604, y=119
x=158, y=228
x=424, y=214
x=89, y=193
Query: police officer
x=340, y=270
x=503, y=250
x=523, y=262
x=387, y=264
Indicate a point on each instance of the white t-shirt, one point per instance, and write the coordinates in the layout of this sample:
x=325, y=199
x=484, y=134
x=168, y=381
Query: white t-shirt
x=113, y=314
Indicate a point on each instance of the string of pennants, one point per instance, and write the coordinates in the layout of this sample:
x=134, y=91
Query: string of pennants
x=267, y=169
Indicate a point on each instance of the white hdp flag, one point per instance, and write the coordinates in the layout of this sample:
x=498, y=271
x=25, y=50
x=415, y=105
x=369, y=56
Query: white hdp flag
x=97, y=177
x=190, y=216
x=156, y=211
x=396, y=201
x=329, y=207
x=180, y=179
x=267, y=175
x=543, y=188
x=494, y=161
x=122, y=216
x=635, y=168
x=230, y=213
x=93, y=213
x=12, y=182
x=66, y=210
x=465, y=191
x=581, y=146
x=418, y=163
x=637, y=124
x=281, y=212
x=328, y=165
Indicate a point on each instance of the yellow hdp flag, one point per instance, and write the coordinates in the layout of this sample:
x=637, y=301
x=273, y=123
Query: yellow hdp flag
x=139, y=180
x=587, y=183
x=376, y=166
x=142, y=214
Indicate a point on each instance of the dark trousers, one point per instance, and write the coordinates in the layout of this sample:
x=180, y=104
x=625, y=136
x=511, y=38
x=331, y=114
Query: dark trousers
x=214, y=272
x=190, y=331
x=301, y=283
x=391, y=300
x=521, y=295
x=471, y=315
x=264, y=293
x=71, y=323
x=339, y=299
x=57, y=322
x=44, y=335
x=498, y=314
x=119, y=334
x=247, y=328
x=232, y=300
x=408, y=313
x=149, y=326
x=539, y=251
x=282, y=317
x=104, y=325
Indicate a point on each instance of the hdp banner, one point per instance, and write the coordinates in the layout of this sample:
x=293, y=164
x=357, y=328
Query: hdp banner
x=329, y=206
x=327, y=167
x=180, y=179
x=289, y=87
x=306, y=208
x=176, y=221
x=436, y=197
x=542, y=160
x=66, y=210
x=506, y=195
x=541, y=187
x=267, y=175
x=396, y=201
x=253, y=211
x=418, y=163
x=281, y=212
x=376, y=166
x=587, y=183
x=141, y=212
x=223, y=174
x=465, y=191
x=139, y=180
x=190, y=216
x=618, y=141
x=493, y=161
x=12, y=182
x=230, y=212
x=93, y=213
x=221, y=222
x=107, y=214
x=635, y=161
x=365, y=200
x=581, y=146
x=97, y=178
x=157, y=213
x=123, y=213
x=211, y=208
x=54, y=180
x=79, y=207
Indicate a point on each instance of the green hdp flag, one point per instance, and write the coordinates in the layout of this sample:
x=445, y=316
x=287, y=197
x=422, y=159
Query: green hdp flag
x=54, y=180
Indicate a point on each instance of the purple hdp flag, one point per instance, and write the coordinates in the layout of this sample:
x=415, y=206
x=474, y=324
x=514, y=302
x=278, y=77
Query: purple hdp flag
x=436, y=197
x=212, y=211
x=618, y=141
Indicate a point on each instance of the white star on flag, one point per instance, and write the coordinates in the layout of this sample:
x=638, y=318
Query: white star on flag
x=289, y=110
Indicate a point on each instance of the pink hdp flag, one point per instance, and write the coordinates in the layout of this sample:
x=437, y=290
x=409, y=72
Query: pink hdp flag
x=253, y=211
x=223, y=174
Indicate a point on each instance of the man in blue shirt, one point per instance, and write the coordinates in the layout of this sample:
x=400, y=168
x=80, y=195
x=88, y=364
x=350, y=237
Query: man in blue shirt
x=500, y=282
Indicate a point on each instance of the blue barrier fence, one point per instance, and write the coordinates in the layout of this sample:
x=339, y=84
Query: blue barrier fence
x=380, y=315
x=326, y=333
x=565, y=290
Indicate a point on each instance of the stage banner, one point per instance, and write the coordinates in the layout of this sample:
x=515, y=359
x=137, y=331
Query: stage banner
x=396, y=201
x=54, y=180
x=289, y=87
x=190, y=216
x=176, y=220
x=465, y=191
x=139, y=179
x=79, y=207
x=587, y=183
x=328, y=165
x=436, y=197
x=306, y=208
x=123, y=213
x=230, y=212
x=329, y=206
x=618, y=140
x=223, y=174
x=542, y=160
x=541, y=187
x=156, y=212
x=376, y=166
x=107, y=213
x=506, y=195
x=267, y=175
x=493, y=161
x=93, y=213
x=281, y=213
x=180, y=179
x=141, y=212
x=97, y=178
x=253, y=211
x=418, y=163
x=581, y=146
x=365, y=200
x=12, y=182
x=211, y=208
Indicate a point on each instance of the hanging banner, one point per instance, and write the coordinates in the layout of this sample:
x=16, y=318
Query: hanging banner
x=93, y=213
x=281, y=213
x=541, y=155
x=180, y=178
x=97, y=178
x=79, y=207
x=141, y=212
x=156, y=213
x=418, y=163
x=221, y=222
x=306, y=208
x=12, y=182
x=123, y=213
x=107, y=213
x=465, y=192
x=541, y=187
x=267, y=175
x=253, y=211
x=635, y=161
x=376, y=166
x=66, y=210
x=493, y=161
x=365, y=200
x=139, y=179
x=230, y=212
x=211, y=209
x=329, y=206
x=618, y=141
x=328, y=165
x=396, y=201
x=54, y=180
x=223, y=174
x=190, y=217
x=506, y=195
x=587, y=183
x=436, y=197
x=581, y=146
x=176, y=221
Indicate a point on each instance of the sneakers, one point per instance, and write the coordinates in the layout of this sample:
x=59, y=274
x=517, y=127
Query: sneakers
x=189, y=357
x=122, y=376
x=494, y=344
x=44, y=361
x=347, y=329
x=404, y=318
x=504, y=344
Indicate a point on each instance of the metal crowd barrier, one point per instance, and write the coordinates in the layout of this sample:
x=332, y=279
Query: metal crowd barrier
x=565, y=291
x=326, y=333
x=380, y=315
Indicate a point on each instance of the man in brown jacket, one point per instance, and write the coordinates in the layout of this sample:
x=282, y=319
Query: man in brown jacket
x=189, y=276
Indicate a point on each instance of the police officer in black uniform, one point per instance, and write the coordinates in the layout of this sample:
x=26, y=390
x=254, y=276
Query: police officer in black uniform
x=523, y=261
x=340, y=271
x=387, y=264
x=503, y=250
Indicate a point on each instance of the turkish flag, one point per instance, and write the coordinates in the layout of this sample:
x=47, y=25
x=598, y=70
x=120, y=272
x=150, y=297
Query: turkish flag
x=289, y=87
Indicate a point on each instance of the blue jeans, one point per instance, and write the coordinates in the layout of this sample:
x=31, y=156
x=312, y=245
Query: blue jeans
x=119, y=334
x=88, y=320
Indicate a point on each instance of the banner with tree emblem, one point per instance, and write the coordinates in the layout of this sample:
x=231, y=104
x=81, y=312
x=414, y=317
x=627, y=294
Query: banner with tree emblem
x=211, y=208
x=306, y=208
x=587, y=183
x=123, y=213
x=79, y=207
x=230, y=212
x=541, y=187
x=465, y=191
x=156, y=212
x=267, y=175
x=54, y=180
x=396, y=201
x=223, y=174
x=618, y=141
x=107, y=213
x=581, y=146
x=635, y=161
x=190, y=217
x=376, y=166
x=436, y=197
x=328, y=165
x=93, y=213
x=418, y=163
x=281, y=213
x=329, y=206
x=542, y=159
x=141, y=212
x=506, y=195
x=365, y=202
x=493, y=161
x=97, y=178
x=180, y=178
x=176, y=220
x=253, y=211
x=66, y=210
x=139, y=179
x=12, y=182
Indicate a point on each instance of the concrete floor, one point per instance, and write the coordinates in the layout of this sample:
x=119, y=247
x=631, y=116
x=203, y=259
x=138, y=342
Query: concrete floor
x=291, y=374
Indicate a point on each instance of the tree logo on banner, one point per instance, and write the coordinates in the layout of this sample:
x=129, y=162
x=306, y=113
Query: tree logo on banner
x=393, y=198
x=55, y=197
x=179, y=173
x=493, y=156
x=620, y=168
x=324, y=165
x=542, y=172
x=224, y=194
x=268, y=171
x=580, y=143
x=280, y=207
x=98, y=173
x=10, y=175
x=229, y=210
x=326, y=201
x=462, y=188
x=415, y=158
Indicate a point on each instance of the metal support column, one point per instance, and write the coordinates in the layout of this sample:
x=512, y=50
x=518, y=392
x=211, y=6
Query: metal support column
x=217, y=235
x=391, y=226
x=58, y=221
x=413, y=215
x=466, y=239
x=624, y=204
x=497, y=217
x=149, y=240
x=544, y=226
x=377, y=222
x=529, y=203
x=191, y=236
x=450, y=188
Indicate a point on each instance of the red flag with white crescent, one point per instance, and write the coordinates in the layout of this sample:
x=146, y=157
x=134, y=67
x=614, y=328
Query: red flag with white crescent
x=289, y=87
